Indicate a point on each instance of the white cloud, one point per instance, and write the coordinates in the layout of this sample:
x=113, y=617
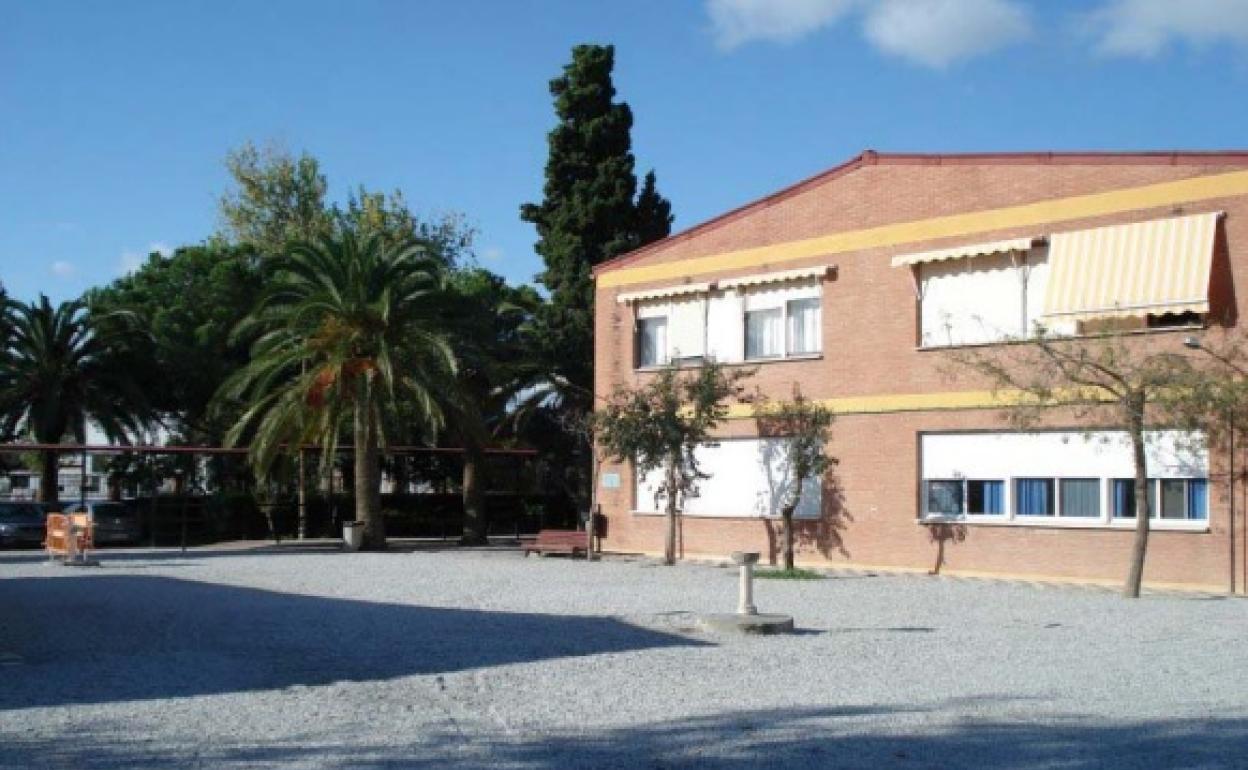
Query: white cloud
x=62, y=269
x=735, y=22
x=1146, y=27
x=492, y=254
x=933, y=33
x=936, y=33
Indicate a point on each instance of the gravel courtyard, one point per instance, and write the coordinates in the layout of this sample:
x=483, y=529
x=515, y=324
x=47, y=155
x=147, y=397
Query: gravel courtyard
x=306, y=657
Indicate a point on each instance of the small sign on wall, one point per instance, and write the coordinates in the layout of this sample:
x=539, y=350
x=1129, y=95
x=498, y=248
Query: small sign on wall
x=610, y=481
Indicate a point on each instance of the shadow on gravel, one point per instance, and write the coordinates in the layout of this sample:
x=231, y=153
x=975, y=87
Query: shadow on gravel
x=844, y=737
x=102, y=638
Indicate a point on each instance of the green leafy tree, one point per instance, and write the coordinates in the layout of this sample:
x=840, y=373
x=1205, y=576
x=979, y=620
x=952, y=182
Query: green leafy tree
x=277, y=199
x=60, y=370
x=801, y=427
x=349, y=332
x=446, y=238
x=590, y=212
x=660, y=425
x=1109, y=378
x=189, y=302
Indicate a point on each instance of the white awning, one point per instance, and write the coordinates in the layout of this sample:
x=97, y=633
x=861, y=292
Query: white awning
x=662, y=292
x=818, y=271
x=960, y=252
x=1159, y=266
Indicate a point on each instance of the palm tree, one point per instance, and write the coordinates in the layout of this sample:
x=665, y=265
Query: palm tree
x=488, y=324
x=60, y=368
x=348, y=339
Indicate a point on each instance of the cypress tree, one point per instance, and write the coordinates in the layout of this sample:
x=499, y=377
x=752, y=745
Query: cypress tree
x=590, y=211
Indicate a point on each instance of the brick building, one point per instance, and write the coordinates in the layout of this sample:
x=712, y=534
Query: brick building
x=857, y=283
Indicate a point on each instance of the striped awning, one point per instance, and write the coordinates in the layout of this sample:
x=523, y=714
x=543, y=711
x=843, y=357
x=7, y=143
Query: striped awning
x=1159, y=266
x=666, y=291
x=799, y=274
x=961, y=252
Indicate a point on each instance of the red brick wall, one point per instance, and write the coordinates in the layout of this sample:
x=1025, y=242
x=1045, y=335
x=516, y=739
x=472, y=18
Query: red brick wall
x=869, y=348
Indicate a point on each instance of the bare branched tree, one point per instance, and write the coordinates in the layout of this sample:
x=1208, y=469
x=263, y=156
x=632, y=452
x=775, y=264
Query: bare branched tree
x=1115, y=378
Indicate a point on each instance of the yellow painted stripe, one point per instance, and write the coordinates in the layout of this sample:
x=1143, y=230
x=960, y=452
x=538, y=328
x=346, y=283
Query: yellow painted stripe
x=1030, y=214
x=925, y=402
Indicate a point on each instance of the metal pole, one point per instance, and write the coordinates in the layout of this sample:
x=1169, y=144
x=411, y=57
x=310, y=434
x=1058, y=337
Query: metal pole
x=1231, y=439
x=82, y=482
x=151, y=468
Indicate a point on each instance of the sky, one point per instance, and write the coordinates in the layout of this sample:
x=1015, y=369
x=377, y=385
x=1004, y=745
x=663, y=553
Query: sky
x=115, y=117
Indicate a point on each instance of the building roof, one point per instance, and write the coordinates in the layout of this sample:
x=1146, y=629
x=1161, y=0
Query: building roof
x=873, y=158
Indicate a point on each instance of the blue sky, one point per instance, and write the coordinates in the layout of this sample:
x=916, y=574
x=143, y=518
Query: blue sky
x=115, y=117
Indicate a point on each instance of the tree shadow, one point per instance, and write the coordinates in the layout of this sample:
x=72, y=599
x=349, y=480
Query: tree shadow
x=799, y=737
x=102, y=638
x=822, y=533
x=941, y=533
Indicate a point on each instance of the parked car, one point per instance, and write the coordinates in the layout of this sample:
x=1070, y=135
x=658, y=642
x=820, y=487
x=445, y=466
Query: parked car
x=114, y=522
x=22, y=524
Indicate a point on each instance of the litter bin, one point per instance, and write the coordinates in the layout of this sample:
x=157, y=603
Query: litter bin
x=352, y=535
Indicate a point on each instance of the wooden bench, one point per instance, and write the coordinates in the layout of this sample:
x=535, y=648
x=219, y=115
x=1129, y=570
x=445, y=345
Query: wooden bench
x=69, y=536
x=567, y=541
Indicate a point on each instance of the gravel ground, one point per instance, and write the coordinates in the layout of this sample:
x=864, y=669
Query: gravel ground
x=298, y=657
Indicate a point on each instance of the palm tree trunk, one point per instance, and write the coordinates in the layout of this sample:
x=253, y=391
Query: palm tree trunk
x=474, y=495
x=368, y=478
x=49, y=476
x=1139, y=548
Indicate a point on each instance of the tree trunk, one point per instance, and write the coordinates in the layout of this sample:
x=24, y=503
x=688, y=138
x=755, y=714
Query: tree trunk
x=786, y=513
x=474, y=495
x=49, y=476
x=368, y=478
x=669, y=544
x=1135, y=576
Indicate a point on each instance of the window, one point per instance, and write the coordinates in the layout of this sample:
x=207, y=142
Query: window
x=652, y=341
x=764, y=333
x=1033, y=497
x=985, y=498
x=1181, y=499
x=967, y=301
x=1080, y=498
x=976, y=497
x=803, y=326
x=944, y=497
x=1125, y=497
x=1063, y=478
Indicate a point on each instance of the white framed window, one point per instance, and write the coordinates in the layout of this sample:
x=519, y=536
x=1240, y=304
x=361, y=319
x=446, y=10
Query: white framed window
x=1180, y=499
x=652, y=341
x=1062, y=478
x=764, y=334
x=802, y=326
x=783, y=322
x=964, y=497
